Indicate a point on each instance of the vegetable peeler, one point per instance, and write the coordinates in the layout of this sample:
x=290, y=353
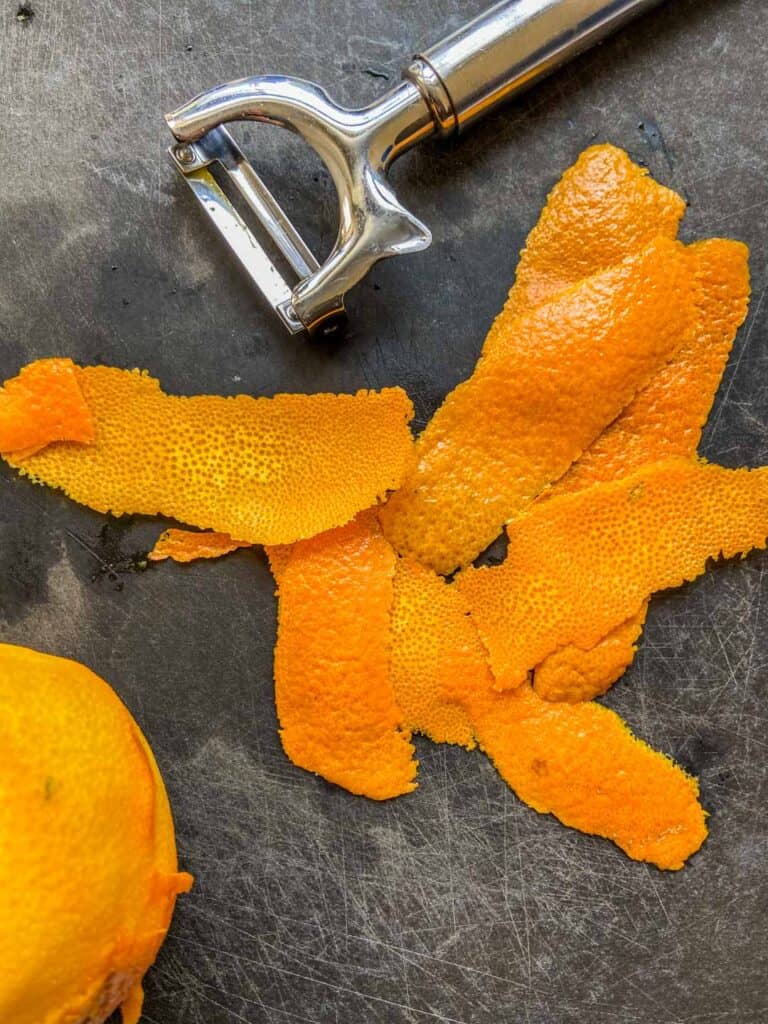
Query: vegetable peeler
x=443, y=90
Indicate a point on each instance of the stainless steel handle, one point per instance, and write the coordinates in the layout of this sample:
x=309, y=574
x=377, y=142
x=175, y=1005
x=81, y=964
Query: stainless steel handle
x=507, y=48
x=448, y=86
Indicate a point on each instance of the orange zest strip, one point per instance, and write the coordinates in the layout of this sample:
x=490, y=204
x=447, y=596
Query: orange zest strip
x=572, y=674
x=577, y=762
x=187, y=546
x=665, y=419
x=555, y=378
x=42, y=405
x=425, y=658
x=580, y=565
x=334, y=696
x=264, y=470
x=581, y=763
x=603, y=209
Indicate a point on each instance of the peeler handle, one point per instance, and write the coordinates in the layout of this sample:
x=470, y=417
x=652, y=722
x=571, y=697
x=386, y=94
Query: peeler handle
x=507, y=48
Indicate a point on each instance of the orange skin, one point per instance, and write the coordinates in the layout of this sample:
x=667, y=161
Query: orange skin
x=334, y=696
x=264, y=470
x=88, y=867
x=580, y=565
x=605, y=358
x=572, y=674
x=578, y=762
x=603, y=209
x=665, y=419
x=43, y=404
x=551, y=380
x=187, y=546
x=422, y=661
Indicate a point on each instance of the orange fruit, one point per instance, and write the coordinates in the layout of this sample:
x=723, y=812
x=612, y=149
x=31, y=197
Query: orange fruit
x=88, y=872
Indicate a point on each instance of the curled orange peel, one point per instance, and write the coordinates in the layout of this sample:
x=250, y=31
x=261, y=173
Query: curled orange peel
x=264, y=470
x=578, y=762
x=665, y=419
x=603, y=209
x=188, y=546
x=333, y=691
x=580, y=565
x=552, y=380
x=43, y=404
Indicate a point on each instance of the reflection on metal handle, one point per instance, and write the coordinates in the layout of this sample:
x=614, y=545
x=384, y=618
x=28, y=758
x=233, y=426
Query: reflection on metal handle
x=507, y=48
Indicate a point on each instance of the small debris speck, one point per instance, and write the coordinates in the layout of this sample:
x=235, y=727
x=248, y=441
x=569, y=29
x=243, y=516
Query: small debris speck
x=376, y=73
x=24, y=13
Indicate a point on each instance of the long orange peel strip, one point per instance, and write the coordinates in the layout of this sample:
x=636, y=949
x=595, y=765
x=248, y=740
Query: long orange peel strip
x=44, y=403
x=264, y=470
x=665, y=419
x=188, y=546
x=577, y=762
x=333, y=691
x=555, y=378
x=582, y=564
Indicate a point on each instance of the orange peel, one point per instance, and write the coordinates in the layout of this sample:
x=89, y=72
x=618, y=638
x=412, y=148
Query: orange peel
x=333, y=691
x=554, y=378
x=665, y=419
x=44, y=403
x=424, y=659
x=188, y=546
x=578, y=762
x=580, y=565
x=603, y=209
x=581, y=763
x=572, y=674
x=264, y=470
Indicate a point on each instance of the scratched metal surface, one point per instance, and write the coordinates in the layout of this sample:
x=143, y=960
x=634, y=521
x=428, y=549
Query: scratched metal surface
x=456, y=904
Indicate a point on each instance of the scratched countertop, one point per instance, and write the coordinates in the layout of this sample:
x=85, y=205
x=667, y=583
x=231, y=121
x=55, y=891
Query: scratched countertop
x=457, y=903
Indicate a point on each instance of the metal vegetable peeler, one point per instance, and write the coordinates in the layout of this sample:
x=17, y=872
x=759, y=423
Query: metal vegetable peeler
x=444, y=89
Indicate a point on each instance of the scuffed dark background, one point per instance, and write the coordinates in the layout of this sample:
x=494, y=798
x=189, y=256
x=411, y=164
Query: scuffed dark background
x=456, y=904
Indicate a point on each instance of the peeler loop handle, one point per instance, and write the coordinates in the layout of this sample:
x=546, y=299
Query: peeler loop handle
x=507, y=48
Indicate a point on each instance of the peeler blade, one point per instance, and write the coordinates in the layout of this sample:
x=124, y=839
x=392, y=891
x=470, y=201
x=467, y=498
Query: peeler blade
x=217, y=146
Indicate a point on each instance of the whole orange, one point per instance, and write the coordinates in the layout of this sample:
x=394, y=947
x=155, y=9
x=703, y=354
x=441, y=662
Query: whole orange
x=88, y=870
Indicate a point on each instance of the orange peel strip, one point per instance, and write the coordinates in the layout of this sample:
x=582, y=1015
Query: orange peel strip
x=44, y=403
x=665, y=419
x=580, y=565
x=555, y=378
x=187, y=546
x=424, y=659
x=334, y=696
x=581, y=763
x=572, y=674
x=603, y=209
x=265, y=470
x=577, y=762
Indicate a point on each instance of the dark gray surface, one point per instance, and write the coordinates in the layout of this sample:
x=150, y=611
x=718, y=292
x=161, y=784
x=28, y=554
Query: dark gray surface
x=456, y=903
